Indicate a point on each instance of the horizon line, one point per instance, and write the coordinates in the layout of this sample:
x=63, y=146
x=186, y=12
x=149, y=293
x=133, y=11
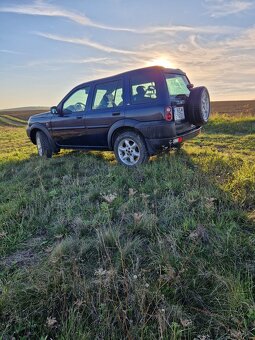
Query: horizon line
x=45, y=106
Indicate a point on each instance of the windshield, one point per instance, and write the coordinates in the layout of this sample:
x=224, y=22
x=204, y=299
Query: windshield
x=177, y=84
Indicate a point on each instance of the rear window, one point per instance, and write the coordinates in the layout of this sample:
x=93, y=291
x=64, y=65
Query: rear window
x=177, y=84
x=143, y=89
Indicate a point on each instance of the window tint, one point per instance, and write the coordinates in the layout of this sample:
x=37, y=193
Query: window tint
x=143, y=89
x=177, y=84
x=77, y=101
x=108, y=95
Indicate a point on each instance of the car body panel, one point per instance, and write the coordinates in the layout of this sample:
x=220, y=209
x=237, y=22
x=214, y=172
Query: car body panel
x=68, y=129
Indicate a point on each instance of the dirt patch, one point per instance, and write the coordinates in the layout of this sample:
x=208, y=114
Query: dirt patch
x=25, y=257
x=11, y=122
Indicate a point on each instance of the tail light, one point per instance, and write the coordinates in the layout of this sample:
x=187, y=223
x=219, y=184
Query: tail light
x=177, y=140
x=168, y=114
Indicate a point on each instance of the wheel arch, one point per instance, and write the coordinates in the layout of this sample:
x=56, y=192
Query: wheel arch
x=38, y=127
x=120, y=126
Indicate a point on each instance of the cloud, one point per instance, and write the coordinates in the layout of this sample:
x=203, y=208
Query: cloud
x=42, y=8
x=220, y=57
x=187, y=29
x=10, y=52
x=221, y=8
x=226, y=66
x=85, y=42
x=245, y=41
x=93, y=60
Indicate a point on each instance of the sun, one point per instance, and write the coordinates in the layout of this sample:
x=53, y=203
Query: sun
x=161, y=61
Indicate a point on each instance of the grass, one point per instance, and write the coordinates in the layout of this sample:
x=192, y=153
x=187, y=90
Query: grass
x=92, y=249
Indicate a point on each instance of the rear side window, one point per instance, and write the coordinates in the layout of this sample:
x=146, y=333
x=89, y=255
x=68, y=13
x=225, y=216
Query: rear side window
x=177, y=84
x=108, y=95
x=143, y=89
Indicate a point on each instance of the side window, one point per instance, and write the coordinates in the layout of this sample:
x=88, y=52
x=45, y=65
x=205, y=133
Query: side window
x=108, y=95
x=143, y=89
x=77, y=101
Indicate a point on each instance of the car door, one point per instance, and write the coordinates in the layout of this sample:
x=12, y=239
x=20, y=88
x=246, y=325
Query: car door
x=107, y=107
x=68, y=127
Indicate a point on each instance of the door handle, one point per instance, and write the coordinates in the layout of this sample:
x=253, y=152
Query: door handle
x=79, y=117
x=115, y=113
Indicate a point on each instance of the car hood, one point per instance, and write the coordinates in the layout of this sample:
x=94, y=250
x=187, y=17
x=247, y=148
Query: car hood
x=40, y=117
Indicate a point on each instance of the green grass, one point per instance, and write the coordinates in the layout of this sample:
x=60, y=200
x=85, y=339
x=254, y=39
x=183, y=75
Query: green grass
x=171, y=254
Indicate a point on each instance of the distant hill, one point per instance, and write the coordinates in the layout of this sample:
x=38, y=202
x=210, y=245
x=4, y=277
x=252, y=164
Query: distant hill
x=24, y=112
x=30, y=108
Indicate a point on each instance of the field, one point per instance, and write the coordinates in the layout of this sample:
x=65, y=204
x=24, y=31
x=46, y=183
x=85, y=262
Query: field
x=235, y=108
x=90, y=249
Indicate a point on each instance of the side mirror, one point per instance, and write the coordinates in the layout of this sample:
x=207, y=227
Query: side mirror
x=190, y=86
x=54, y=110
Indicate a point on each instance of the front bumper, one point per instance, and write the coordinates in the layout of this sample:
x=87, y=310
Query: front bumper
x=28, y=130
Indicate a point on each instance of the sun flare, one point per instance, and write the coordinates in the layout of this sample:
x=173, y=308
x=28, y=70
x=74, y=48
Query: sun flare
x=161, y=61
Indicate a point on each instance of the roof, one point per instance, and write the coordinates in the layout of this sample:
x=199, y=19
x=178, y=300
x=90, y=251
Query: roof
x=169, y=70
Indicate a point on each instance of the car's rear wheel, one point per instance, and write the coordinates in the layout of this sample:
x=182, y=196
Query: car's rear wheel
x=44, y=147
x=130, y=149
x=199, y=106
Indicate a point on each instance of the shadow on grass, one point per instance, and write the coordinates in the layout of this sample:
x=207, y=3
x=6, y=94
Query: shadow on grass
x=156, y=251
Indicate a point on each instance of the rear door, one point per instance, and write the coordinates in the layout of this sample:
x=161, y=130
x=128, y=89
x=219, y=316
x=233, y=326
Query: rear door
x=178, y=89
x=107, y=107
x=179, y=93
x=68, y=128
x=145, y=97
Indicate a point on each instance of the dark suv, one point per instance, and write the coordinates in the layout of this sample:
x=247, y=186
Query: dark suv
x=137, y=114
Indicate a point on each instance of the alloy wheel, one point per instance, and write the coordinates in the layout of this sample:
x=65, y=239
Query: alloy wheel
x=128, y=151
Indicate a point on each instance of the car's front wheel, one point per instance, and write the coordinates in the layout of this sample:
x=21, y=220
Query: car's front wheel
x=44, y=147
x=130, y=149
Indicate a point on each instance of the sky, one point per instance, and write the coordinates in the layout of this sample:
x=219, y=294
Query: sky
x=49, y=46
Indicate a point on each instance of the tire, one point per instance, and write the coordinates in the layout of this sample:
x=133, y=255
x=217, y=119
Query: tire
x=199, y=107
x=56, y=152
x=130, y=149
x=43, y=145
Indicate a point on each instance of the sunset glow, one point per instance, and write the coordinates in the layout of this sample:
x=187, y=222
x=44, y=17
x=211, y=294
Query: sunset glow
x=161, y=61
x=49, y=46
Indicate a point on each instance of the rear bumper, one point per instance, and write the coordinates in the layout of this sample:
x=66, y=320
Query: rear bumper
x=190, y=134
x=157, y=145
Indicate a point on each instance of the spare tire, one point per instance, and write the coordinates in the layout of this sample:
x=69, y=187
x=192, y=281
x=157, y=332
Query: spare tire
x=199, y=107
